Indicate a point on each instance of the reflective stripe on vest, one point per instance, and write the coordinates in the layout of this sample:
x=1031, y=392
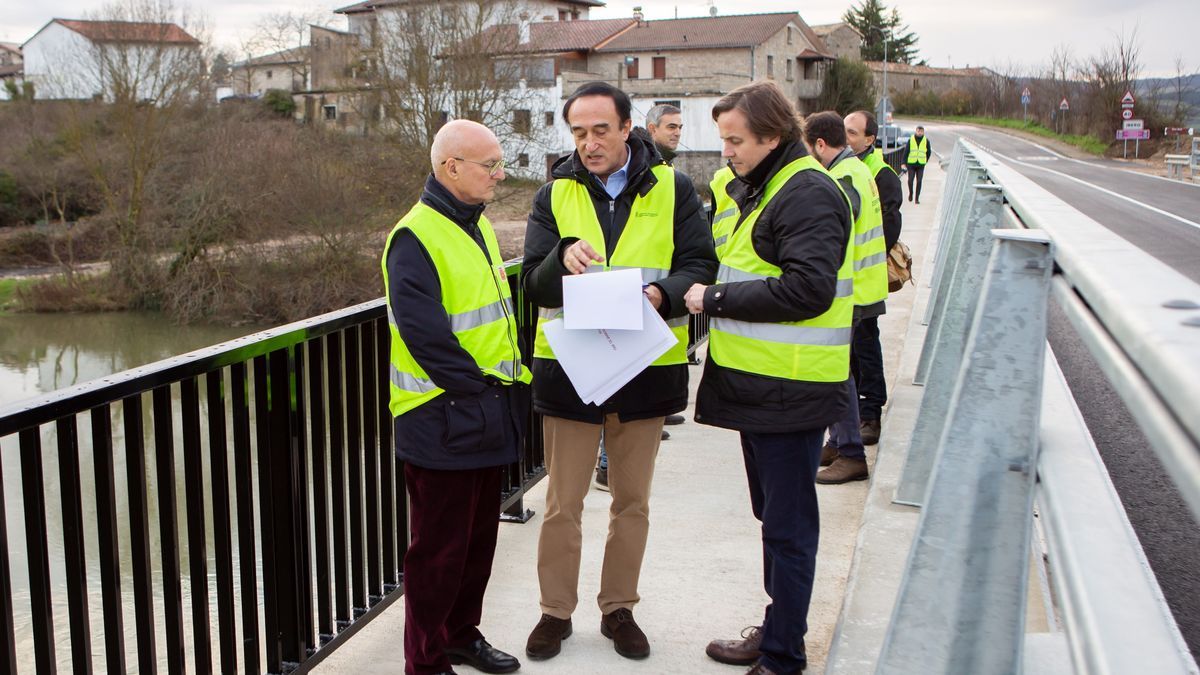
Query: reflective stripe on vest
x=647, y=242
x=477, y=301
x=870, y=254
x=813, y=350
x=918, y=150
x=725, y=210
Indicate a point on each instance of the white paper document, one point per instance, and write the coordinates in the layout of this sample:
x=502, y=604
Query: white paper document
x=603, y=300
x=601, y=361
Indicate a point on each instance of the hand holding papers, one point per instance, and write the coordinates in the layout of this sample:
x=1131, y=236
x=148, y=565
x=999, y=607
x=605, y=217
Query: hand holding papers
x=601, y=361
x=603, y=300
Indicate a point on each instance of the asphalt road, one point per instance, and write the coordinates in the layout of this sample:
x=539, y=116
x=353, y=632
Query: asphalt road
x=1162, y=218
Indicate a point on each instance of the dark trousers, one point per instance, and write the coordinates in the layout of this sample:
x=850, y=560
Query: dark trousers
x=866, y=363
x=454, y=519
x=915, y=171
x=781, y=470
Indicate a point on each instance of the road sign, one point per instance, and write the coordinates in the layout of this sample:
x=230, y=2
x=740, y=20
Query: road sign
x=1025, y=92
x=1178, y=131
x=1131, y=125
x=1127, y=114
x=1133, y=135
x=1064, y=105
x=1024, y=99
x=1127, y=100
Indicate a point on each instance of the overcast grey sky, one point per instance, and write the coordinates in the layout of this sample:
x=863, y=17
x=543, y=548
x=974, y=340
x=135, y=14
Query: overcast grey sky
x=990, y=33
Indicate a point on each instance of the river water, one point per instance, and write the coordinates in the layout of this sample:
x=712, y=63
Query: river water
x=43, y=353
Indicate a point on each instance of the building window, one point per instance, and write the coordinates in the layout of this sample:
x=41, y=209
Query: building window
x=660, y=67
x=789, y=70
x=789, y=35
x=268, y=74
x=916, y=84
x=770, y=66
x=675, y=102
x=523, y=160
x=562, y=15
x=631, y=67
x=521, y=121
x=549, y=119
x=330, y=112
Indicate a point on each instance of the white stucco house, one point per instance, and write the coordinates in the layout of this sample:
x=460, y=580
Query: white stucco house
x=73, y=59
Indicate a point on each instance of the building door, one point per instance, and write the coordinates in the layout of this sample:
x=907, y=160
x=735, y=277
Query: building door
x=660, y=67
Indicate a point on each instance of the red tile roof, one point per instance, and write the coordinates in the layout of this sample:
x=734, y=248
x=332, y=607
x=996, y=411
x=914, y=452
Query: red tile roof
x=711, y=32
x=11, y=47
x=372, y=5
x=553, y=36
x=293, y=55
x=129, y=31
x=906, y=69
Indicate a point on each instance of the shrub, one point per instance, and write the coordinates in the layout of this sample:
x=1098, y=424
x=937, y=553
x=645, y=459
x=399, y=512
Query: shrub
x=279, y=102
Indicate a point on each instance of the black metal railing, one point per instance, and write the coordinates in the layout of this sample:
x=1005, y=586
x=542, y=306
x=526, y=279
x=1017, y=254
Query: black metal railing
x=293, y=503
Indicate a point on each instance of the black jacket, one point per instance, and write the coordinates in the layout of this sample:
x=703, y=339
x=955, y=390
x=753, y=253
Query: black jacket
x=658, y=390
x=477, y=422
x=804, y=230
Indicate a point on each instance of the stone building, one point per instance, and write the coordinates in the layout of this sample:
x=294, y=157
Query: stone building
x=843, y=40
x=903, y=78
x=12, y=68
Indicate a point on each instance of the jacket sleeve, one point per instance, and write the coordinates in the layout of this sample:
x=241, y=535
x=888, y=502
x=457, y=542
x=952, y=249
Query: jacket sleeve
x=542, y=269
x=694, y=260
x=809, y=228
x=416, y=303
x=891, y=196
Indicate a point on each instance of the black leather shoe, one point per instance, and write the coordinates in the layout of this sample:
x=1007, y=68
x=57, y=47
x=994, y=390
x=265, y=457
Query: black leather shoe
x=674, y=419
x=483, y=657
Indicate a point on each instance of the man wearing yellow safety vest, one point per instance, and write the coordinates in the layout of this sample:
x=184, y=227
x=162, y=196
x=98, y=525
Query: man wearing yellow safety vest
x=916, y=159
x=611, y=204
x=779, y=346
x=455, y=363
x=825, y=134
x=866, y=355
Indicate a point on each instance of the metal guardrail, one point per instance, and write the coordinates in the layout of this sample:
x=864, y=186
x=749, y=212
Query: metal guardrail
x=997, y=432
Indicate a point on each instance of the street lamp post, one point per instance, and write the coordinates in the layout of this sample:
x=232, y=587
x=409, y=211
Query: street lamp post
x=883, y=99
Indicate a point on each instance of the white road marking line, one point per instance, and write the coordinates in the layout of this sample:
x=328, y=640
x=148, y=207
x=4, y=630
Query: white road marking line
x=1106, y=191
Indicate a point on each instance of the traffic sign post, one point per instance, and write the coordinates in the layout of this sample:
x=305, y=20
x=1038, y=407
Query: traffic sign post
x=1064, y=106
x=1130, y=128
x=1025, y=103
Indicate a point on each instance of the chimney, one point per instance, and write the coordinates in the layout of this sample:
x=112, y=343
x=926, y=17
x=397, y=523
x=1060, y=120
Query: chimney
x=523, y=29
x=637, y=14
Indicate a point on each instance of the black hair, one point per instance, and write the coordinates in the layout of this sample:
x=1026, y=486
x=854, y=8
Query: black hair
x=619, y=98
x=827, y=126
x=872, y=127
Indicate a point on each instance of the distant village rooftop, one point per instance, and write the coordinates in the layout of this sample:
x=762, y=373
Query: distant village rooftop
x=125, y=31
x=553, y=37
x=710, y=32
x=372, y=5
x=908, y=69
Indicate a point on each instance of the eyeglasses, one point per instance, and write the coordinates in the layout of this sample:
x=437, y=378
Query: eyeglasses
x=492, y=167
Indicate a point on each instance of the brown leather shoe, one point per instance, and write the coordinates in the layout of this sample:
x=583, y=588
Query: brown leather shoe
x=628, y=639
x=760, y=669
x=828, y=454
x=741, y=652
x=843, y=470
x=870, y=431
x=545, y=641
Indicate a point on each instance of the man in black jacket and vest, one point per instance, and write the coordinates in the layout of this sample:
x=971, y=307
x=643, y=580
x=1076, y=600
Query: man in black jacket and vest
x=779, y=348
x=610, y=204
x=455, y=364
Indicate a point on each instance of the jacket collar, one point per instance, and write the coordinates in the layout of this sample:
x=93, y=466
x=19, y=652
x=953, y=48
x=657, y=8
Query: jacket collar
x=438, y=198
x=750, y=188
x=640, y=179
x=846, y=153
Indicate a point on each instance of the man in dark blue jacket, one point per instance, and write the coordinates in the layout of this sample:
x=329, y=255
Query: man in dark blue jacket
x=455, y=369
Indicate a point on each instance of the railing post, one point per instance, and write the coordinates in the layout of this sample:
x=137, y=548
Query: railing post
x=946, y=337
x=950, y=242
x=961, y=603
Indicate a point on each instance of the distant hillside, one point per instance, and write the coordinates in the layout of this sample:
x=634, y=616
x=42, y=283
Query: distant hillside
x=1165, y=87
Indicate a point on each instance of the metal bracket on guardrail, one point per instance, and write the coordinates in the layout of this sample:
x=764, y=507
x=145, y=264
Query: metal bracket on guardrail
x=950, y=237
x=961, y=603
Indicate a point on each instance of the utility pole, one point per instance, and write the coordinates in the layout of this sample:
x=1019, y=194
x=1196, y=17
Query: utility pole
x=883, y=101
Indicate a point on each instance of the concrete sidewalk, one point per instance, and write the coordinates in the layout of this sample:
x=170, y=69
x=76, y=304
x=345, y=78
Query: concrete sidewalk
x=702, y=577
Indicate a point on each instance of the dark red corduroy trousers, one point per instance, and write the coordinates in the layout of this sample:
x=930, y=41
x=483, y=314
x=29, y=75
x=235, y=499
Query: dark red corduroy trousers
x=454, y=517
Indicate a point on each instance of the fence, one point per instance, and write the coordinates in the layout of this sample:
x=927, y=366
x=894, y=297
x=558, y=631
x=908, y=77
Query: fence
x=998, y=436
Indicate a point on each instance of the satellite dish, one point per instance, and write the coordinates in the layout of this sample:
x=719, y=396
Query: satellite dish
x=712, y=11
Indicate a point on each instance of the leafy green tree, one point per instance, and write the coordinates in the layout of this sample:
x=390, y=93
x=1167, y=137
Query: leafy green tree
x=847, y=87
x=874, y=21
x=279, y=102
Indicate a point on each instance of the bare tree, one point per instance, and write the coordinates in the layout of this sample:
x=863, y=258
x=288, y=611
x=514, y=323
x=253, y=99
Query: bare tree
x=285, y=34
x=1180, y=85
x=1106, y=77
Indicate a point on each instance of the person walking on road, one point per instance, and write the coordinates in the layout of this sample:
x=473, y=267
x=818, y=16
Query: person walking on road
x=825, y=133
x=609, y=205
x=455, y=365
x=919, y=150
x=779, y=347
x=866, y=355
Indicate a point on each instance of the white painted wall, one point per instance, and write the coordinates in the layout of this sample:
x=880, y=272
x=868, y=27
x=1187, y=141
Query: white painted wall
x=699, y=130
x=61, y=64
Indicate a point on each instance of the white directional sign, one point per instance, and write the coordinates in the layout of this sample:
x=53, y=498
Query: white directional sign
x=1134, y=125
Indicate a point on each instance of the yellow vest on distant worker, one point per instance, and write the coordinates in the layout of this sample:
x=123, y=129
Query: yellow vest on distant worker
x=870, y=254
x=477, y=300
x=813, y=350
x=647, y=243
x=918, y=151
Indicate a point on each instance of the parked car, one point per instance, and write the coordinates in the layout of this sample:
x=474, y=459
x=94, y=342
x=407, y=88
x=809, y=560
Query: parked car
x=891, y=136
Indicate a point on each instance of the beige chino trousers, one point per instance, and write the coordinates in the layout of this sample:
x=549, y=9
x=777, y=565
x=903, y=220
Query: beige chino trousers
x=571, y=452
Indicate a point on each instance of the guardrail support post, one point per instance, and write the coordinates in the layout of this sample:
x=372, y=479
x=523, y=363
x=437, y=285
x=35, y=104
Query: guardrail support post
x=945, y=339
x=961, y=603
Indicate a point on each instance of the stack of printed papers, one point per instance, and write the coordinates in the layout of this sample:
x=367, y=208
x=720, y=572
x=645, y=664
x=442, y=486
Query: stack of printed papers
x=599, y=359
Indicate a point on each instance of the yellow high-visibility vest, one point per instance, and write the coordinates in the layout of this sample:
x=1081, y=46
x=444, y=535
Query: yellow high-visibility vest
x=918, y=151
x=477, y=300
x=870, y=255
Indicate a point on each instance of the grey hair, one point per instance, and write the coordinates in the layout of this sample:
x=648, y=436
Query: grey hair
x=657, y=112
